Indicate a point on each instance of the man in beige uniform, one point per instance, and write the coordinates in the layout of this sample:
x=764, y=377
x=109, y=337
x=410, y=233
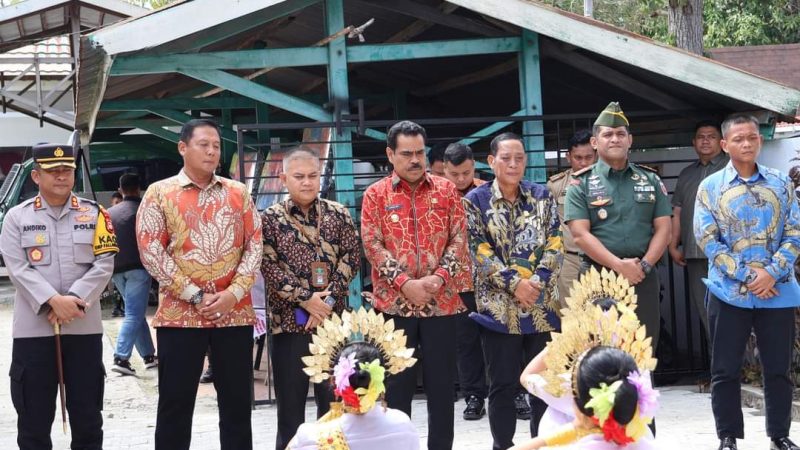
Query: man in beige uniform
x=580, y=154
x=59, y=251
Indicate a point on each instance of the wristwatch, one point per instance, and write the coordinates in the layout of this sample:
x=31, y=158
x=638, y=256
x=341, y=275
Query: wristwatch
x=750, y=277
x=646, y=267
x=196, y=298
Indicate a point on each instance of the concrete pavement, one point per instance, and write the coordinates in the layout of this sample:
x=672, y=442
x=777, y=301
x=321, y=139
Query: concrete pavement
x=684, y=421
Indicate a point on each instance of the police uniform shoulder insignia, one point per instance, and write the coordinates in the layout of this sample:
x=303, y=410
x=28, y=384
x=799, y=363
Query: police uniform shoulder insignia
x=582, y=171
x=105, y=241
x=74, y=202
x=558, y=176
x=648, y=168
x=37, y=202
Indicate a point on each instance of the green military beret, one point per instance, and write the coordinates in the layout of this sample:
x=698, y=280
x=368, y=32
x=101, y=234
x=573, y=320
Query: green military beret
x=612, y=117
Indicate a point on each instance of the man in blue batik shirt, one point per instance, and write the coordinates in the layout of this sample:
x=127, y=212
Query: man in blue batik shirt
x=748, y=224
x=515, y=242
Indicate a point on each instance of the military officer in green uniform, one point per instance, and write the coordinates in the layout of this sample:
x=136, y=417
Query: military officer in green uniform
x=619, y=214
x=580, y=154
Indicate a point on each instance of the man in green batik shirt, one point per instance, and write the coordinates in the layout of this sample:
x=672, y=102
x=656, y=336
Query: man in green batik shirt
x=619, y=214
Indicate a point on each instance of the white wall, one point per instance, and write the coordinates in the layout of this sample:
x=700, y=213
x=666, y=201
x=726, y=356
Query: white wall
x=17, y=130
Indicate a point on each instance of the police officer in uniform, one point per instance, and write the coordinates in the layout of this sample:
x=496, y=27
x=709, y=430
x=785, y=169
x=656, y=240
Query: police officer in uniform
x=619, y=214
x=580, y=154
x=59, y=251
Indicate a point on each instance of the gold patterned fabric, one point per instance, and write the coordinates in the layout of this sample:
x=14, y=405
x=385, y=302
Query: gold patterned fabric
x=192, y=239
x=585, y=325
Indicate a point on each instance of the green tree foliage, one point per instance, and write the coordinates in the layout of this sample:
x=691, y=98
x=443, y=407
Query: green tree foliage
x=726, y=22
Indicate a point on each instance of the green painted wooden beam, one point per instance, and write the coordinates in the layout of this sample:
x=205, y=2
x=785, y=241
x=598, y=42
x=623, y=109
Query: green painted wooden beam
x=180, y=103
x=259, y=92
x=338, y=91
x=132, y=123
x=242, y=59
x=156, y=130
x=179, y=118
x=432, y=49
x=309, y=56
x=530, y=84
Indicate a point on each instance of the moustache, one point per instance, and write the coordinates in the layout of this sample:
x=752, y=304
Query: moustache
x=415, y=166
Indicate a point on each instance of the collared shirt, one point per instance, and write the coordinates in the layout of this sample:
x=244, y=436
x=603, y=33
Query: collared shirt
x=289, y=252
x=684, y=197
x=411, y=233
x=620, y=205
x=475, y=183
x=557, y=185
x=66, y=250
x=465, y=279
x=193, y=239
x=755, y=222
x=510, y=242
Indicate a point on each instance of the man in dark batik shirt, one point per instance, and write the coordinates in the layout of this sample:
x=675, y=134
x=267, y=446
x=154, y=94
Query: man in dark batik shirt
x=311, y=253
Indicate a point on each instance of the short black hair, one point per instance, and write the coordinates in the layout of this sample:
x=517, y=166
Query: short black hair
x=737, y=119
x=116, y=195
x=436, y=153
x=707, y=123
x=581, y=137
x=507, y=136
x=188, y=128
x=456, y=153
x=406, y=128
x=129, y=183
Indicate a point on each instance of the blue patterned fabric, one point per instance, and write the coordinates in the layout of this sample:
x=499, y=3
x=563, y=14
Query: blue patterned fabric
x=741, y=223
x=510, y=242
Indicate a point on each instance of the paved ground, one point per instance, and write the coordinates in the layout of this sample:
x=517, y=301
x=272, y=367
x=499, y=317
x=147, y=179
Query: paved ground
x=684, y=421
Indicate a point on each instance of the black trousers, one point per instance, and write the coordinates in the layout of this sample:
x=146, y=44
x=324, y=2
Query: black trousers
x=181, y=352
x=34, y=386
x=435, y=341
x=471, y=369
x=291, y=385
x=730, y=328
x=502, y=353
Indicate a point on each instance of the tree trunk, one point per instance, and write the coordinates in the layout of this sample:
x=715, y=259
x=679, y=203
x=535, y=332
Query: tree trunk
x=686, y=24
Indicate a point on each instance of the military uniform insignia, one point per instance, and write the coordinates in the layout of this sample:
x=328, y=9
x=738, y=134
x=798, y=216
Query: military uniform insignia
x=574, y=182
x=35, y=254
x=663, y=188
x=40, y=238
x=582, y=171
x=602, y=214
x=84, y=209
x=558, y=176
x=600, y=201
x=74, y=202
x=84, y=218
x=635, y=177
x=58, y=153
x=37, y=202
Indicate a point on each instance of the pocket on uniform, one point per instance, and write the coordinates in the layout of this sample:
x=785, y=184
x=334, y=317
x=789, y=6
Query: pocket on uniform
x=37, y=248
x=17, y=374
x=83, y=249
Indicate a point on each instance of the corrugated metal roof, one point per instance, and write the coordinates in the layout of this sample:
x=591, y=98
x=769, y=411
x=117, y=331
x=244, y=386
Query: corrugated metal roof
x=27, y=22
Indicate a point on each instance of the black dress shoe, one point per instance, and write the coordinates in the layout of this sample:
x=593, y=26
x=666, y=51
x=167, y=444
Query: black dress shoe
x=522, y=406
x=727, y=443
x=475, y=409
x=783, y=443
